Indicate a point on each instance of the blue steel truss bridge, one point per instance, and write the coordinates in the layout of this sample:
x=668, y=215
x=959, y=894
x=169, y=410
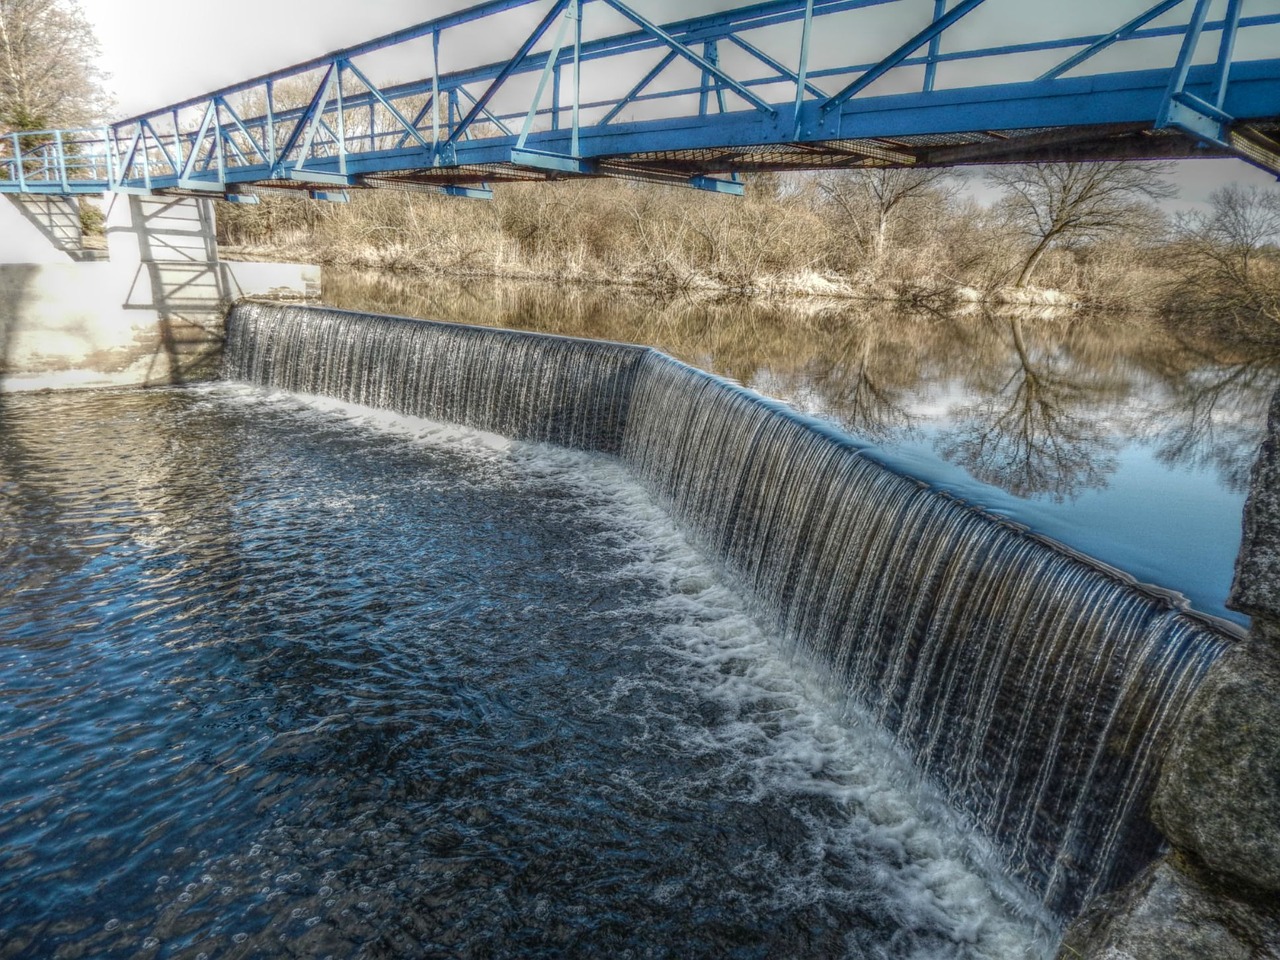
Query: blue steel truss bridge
x=515, y=90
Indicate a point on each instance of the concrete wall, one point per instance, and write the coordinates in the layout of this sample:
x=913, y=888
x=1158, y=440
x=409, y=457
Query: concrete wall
x=153, y=313
x=21, y=239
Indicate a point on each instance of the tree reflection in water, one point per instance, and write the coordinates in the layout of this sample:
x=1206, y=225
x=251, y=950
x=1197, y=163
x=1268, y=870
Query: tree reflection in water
x=1040, y=405
x=1043, y=424
x=1212, y=415
x=864, y=379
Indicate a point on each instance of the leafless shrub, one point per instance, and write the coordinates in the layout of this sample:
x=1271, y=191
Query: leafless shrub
x=1227, y=260
x=1087, y=233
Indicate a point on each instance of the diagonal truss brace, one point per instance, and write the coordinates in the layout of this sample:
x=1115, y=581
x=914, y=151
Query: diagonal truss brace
x=639, y=88
x=1116, y=35
x=123, y=166
x=572, y=14
x=485, y=112
x=504, y=74
x=411, y=129
x=784, y=72
x=309, y=119
x=702, y=63
x=258, y=148
x=185, y=178
x=926, y=35
x=174, y=165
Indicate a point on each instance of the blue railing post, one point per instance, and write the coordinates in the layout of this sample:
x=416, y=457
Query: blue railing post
x=62, y=162
x=19, y=163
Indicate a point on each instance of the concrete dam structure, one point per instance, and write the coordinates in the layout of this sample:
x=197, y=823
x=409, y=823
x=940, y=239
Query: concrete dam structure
x=146, y=309
x=1038, y=689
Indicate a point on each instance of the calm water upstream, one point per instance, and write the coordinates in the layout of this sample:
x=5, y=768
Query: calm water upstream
x=287, y=678
x=1116, y=438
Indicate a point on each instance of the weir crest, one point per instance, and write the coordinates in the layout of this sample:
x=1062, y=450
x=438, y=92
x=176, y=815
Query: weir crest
x=1035, y=688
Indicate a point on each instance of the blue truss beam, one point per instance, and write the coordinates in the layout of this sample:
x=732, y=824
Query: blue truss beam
x=1084, y=101
x=340, y=136
x=610, y=47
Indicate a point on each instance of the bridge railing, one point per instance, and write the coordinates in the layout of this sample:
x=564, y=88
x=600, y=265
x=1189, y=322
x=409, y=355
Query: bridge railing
x=595, y=87
x=56, y=161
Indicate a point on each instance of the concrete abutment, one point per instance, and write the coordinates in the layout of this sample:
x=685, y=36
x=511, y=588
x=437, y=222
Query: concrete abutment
x=151, y=314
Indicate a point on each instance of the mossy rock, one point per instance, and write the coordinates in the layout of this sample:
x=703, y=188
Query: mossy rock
x=1171, y=913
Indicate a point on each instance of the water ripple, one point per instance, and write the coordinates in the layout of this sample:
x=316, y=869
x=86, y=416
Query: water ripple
x=281, y=681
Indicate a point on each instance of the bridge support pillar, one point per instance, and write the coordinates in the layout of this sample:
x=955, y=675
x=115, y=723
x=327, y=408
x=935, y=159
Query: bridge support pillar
x=153, y=313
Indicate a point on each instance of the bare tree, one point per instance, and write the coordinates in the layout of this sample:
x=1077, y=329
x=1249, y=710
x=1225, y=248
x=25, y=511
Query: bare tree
x=1063, y=204
x=48, y=72
x=1228, y=259
x=872, y=200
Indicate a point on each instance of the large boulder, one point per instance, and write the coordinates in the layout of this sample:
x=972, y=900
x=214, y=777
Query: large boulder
x=1218, y=797
x=1170, y=914
x=1256, y=590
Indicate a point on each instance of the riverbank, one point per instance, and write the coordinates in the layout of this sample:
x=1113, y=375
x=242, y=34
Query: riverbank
x=783, y=240
x=809, y=285
x=909, y=238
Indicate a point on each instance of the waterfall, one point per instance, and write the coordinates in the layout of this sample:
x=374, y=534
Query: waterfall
x=1035, y=687
x=522, y=385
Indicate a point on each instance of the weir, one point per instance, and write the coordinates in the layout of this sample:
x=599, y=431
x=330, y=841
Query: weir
x=1036, y=688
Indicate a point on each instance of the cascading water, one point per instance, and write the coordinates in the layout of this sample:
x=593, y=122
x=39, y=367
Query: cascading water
x=1034, y=686
x=522, y=385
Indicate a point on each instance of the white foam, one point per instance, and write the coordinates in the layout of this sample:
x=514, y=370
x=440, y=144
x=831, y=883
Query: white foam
x=794, y=741
x=776, y=719
x=431, y=432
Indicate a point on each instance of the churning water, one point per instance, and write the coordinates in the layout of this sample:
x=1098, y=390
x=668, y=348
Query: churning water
x=292, y=678
x=1035, y=687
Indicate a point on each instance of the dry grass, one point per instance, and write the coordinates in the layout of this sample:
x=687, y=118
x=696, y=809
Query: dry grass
x=783, y=240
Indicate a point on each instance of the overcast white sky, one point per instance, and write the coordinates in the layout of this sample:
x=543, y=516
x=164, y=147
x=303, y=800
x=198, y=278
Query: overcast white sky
x=156, y=53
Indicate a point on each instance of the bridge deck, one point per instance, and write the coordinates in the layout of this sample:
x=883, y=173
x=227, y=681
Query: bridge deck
x=596, y=88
